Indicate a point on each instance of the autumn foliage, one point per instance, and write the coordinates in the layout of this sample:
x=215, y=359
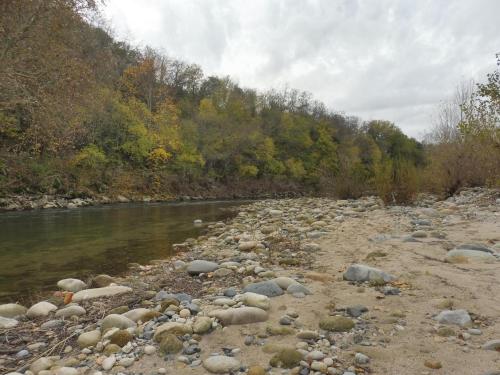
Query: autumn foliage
x=84, y=114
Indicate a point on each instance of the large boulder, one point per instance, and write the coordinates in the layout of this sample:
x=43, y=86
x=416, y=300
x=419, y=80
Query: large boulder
x=116, y=321
x=71, y=285
x=201, y=266
x=297, y=288
x=492, y=345
x=43, y=363
x=137, y=314
x=475, y=246
x=247, y=245
x=70, y=311
x=11, y=310
x=40, y=309
x=241, y=315
x=221, y=364
x=466, y=255
x=202, y=325
x=457, y=317
x=267, y=288
x=255, y=300
x=360, y=272
x=170, y=344
x=100, y=281
x=90, y=338
x=7, y=323
x=107, y=291
x=173, y=328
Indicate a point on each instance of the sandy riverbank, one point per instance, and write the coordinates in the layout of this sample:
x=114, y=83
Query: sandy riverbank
x=430, y=306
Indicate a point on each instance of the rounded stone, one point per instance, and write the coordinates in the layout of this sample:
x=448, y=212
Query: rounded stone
x=41, y=309
x=201, y=266
x=70, y=311
x=266, y=288
x=202, y=325
x=101, y=281
x=116, y=321
x=336, y=324
x=88, y=339
x=170, y=344
x=221, y=364
x=71, y=285
x=12, y=310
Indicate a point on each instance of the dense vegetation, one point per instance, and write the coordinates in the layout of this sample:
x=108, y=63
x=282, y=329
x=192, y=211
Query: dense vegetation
x=83, y=114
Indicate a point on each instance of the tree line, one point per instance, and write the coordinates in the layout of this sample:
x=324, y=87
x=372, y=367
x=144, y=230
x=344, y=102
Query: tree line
x=82, y=113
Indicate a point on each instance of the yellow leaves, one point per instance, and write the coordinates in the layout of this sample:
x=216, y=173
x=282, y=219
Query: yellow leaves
x=159, y=156
x=295, y=168
x=248, y=170
x=207, y=111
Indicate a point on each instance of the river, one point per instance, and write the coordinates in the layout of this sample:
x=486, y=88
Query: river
x=38, y=248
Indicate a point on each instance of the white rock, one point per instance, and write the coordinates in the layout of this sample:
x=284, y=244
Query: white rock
x=70, y=311
x=41, y=364
x=136, y=314
x=107, y=291
x=221, y=364
x=456, y=255
x=109, y=362
x=90, y=338
x=41, y=309
x=242, y=315
x=149, y=350
x=360, y=272
x=247, y=245
x=11, y=310
x=256, y=300
x=284, y=282
x=126, y=362
x=71, y=285
x=65, y=371
x=7, y=322
x=116, y=321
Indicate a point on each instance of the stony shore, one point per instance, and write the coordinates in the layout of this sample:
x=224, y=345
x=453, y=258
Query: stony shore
x=294, y=286
x=40, y=202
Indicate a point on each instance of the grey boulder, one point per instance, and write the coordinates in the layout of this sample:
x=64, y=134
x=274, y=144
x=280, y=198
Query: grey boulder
x=201, y=266
x=360, y=272
x=457, y=317
x=266, y=288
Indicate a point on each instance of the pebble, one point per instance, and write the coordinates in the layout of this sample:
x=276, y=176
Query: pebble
x=221, y=364
x=108, y=363
x=149, y=349
x=361, y=359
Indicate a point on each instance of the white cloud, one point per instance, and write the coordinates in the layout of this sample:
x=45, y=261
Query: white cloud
x=390, y=59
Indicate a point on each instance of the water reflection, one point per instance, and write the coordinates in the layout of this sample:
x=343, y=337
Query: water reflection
x=37, y=248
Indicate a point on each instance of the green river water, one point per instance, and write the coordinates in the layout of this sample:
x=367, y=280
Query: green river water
x=38, y=248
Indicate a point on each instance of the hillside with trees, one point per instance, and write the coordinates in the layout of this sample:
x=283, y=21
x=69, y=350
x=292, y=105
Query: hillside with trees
x=83, y=114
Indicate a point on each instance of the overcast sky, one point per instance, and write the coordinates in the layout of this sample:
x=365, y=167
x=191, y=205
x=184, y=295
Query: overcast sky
x=377, y=59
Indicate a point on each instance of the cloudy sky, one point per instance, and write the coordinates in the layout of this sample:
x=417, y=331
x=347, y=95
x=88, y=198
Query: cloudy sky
x=377, y=59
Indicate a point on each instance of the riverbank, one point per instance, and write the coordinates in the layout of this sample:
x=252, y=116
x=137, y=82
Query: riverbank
x=293, y=286
x=43, y=201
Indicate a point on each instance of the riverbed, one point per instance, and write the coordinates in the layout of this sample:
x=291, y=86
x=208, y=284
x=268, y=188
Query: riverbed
x=37, y=248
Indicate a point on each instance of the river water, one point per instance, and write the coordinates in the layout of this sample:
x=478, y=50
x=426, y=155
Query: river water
x=38, y=248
